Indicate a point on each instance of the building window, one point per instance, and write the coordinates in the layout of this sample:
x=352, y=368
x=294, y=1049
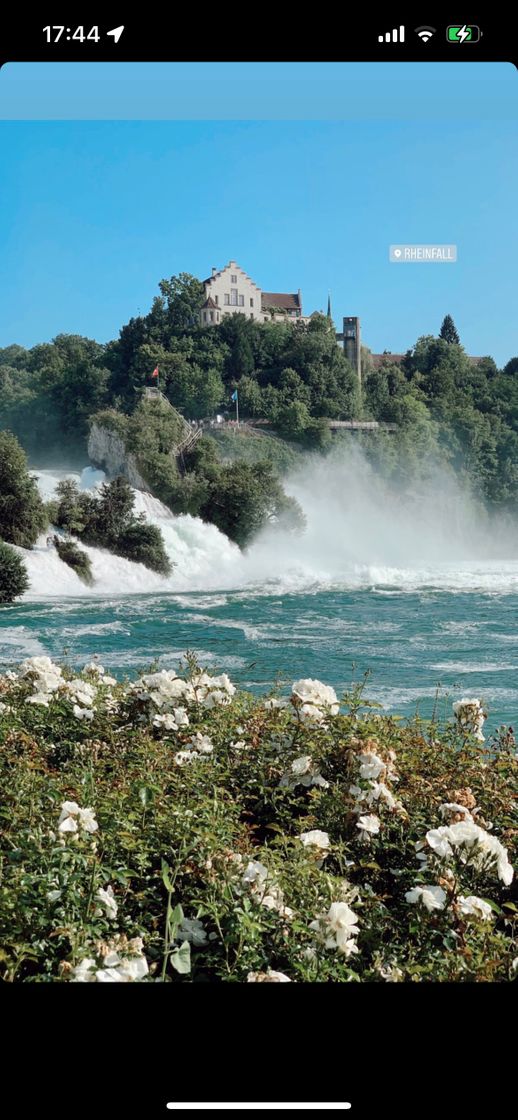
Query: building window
x=205, y=316
x=212, y=316
x=227, y=297
x=233, y=279
x=233, y=297
x=251, y=303
x=217, y=317
x=216, y=299
x=241, y=301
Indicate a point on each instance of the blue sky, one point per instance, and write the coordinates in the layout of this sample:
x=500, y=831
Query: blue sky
x=95, y=212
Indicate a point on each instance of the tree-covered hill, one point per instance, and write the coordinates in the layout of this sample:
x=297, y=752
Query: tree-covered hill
x=295, y=376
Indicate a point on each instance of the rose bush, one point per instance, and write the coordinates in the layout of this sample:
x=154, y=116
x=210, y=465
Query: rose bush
x=174, y=829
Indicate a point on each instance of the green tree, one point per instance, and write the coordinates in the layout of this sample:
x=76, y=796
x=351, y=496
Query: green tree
x=182, y=297
x=245, y=498
x=448, y=330
x=22, y=513
x=13, y=574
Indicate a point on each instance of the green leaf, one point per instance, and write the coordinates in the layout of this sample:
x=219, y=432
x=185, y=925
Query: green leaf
x=176, y=916
x=166, y=871
x=494, y=906
x=145, y=796
x=181, y=958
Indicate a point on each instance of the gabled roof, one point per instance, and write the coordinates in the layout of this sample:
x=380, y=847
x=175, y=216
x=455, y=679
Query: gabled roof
x=230, y=265
x=285, y=301
x=210, y=304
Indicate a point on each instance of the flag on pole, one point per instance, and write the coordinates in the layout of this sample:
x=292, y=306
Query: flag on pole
x=234, y=395
x=155, y=373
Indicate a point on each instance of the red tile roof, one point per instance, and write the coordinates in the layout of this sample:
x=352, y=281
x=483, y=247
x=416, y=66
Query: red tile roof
x=380, y=359
x=285, y=301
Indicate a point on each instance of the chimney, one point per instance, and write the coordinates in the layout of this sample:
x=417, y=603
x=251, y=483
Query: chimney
x=214, y=270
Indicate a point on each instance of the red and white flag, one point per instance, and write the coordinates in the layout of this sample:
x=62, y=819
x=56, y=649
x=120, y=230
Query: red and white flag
x=155, y=373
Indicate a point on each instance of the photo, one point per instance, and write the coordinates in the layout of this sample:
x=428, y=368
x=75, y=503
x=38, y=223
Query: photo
x=259, y=523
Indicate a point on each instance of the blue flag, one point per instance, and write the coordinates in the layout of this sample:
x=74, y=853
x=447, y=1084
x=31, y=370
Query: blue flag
x=234, y=395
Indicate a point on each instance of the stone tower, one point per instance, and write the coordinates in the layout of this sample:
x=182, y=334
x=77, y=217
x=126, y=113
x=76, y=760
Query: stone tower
x=352, y=344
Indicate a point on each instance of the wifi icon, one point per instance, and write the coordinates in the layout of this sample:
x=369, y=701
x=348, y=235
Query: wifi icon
x=425, y=33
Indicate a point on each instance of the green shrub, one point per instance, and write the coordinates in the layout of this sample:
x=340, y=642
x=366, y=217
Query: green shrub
x=22, y=513
x=237, y=834
x=143, y=543
x=108, y=521
x=13, y=574
x=76, y=559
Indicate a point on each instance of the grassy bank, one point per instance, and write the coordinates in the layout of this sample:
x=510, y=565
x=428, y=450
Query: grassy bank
x=174, y=829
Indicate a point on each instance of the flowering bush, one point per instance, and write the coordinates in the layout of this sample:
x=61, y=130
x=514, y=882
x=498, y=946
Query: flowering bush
x=172, y=829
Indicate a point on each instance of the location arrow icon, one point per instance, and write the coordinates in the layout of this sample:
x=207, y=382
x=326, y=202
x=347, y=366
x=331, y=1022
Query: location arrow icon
x=117, y=32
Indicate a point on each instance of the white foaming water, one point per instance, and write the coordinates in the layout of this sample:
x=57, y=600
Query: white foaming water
x=358, y=535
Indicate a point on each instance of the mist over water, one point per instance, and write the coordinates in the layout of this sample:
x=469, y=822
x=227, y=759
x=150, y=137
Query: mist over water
x=360, y=532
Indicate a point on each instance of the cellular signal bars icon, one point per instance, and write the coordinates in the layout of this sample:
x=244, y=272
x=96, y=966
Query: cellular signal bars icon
x=395, y=36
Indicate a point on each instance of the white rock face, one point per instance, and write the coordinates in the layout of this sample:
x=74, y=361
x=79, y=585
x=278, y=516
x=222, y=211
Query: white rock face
x=106, y=449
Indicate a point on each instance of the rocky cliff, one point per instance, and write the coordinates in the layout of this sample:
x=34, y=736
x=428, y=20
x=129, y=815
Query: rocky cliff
x=106, y=449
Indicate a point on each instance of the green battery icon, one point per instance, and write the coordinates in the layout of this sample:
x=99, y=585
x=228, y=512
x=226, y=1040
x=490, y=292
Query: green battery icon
x=463, y=33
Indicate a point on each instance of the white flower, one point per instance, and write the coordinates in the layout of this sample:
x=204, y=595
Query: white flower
x=257, y=878
x=338, y=928
x=53, y=895
x=84, y=972
x=115, y=968
x=107, y=898
x=127, y=970
x=432, y=898
x=255, y=874
x=471, y=844
x=380, y=792
x=192, y=930
x=273, y=704
x=83, y=713
x=318, y=700
x=269, y=977
x=171, y=721
x=183, y=757
x=38, y=698
x=438, y=839
x=470, y=716
x=301, y=765
x=81, y=691
x=369, y=825
x=67, y=821
x=316, y=839
x=202, y=743
x=93, y=667
x=473, y=907
x=240, y=745
x=39, y=666
x=303, y=773
x=72, y=818
x=87, y=820
x=371, y=766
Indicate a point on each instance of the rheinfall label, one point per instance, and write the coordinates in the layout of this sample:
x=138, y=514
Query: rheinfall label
x=423, y=254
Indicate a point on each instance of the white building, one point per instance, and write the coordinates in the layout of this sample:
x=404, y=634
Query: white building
x=230, y=291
